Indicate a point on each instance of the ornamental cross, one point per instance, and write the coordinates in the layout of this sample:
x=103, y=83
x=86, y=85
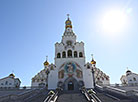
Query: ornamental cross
x=46, y=58
x=12, y=71
x=68, y=15
x=127, y=68
x=92, y=56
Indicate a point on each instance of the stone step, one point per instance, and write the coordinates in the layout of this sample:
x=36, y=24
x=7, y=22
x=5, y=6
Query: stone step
x=71, y=97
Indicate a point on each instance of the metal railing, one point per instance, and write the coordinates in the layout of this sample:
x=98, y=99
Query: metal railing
x=52, y=96
x=90, y=95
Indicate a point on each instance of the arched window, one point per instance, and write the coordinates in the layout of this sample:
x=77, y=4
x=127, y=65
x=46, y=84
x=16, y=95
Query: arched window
x=6, y=83
x=80, y=54
x=69, y=53
x=58, y=55
x=75, y=54
x=134, y=79
x=63, y=54
x=69, y=43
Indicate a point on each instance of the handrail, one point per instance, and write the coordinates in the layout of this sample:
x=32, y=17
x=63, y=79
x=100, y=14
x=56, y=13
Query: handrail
x=90, y=95
x=84, y=91
x=93, y=95
x=52, y=96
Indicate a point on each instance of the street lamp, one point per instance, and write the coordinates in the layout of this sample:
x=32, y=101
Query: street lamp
x=47, y=73
x=93, y=62
x=92, y=69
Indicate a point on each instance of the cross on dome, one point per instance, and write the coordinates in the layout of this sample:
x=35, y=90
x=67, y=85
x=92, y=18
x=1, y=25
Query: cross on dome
x=46, y=58
x=68, y=16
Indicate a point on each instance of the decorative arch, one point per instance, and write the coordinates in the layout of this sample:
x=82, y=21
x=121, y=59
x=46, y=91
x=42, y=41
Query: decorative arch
x=63, y=54
x=75, y=54
x=80, y=54
x=73, y=81
x=58, y=55
x=69, y=53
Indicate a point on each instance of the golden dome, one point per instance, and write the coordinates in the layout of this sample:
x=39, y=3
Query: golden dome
x=68, y=23
x=46, y=63
x=93, y=62
x=11, y=75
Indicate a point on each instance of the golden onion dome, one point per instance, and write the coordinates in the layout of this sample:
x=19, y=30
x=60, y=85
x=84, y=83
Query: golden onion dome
x=11, y=75
x=46, y=63
x=93, y=62
x=68, y=23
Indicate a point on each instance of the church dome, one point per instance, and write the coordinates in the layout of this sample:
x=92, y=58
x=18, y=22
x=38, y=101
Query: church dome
x=11, y=75
x=68, y=23
x=128, y=71
x=93, y=62
x=46, y=63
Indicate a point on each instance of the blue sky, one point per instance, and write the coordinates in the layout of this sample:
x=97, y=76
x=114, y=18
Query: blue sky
x=30, y=28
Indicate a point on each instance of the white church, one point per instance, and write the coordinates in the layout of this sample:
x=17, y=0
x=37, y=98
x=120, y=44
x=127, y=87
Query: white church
x=70, y=70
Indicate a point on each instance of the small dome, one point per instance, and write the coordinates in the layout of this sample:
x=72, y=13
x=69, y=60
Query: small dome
x=128, y=71
x=93, y=62
x=46, y=63
x=11, y=75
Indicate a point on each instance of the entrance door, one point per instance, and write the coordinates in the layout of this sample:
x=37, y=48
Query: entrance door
x=70, y=86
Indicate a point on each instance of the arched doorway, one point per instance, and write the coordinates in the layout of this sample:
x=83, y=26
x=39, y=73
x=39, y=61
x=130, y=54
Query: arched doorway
x=70, y=85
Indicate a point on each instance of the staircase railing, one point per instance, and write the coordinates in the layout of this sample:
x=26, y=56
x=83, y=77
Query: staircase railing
x=52, y=96
x=90, y=95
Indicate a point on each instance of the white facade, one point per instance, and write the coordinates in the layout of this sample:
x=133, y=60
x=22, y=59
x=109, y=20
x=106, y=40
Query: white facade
x=70, y=70
x=130, y=79
x=100, y=77
x=10, y=82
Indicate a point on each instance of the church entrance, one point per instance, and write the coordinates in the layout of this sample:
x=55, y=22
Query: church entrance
x=70, y=86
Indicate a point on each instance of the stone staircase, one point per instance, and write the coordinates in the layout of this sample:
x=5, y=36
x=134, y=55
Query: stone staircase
x=40, y=97
x=106, y=98
x=71, y=97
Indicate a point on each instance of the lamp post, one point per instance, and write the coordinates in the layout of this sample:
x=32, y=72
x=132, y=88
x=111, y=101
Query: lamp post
x=93, y=62
x=92, y=69
x=47, y=73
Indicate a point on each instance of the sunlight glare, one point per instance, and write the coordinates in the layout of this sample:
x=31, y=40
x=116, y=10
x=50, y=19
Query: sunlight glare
x=114, y=21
